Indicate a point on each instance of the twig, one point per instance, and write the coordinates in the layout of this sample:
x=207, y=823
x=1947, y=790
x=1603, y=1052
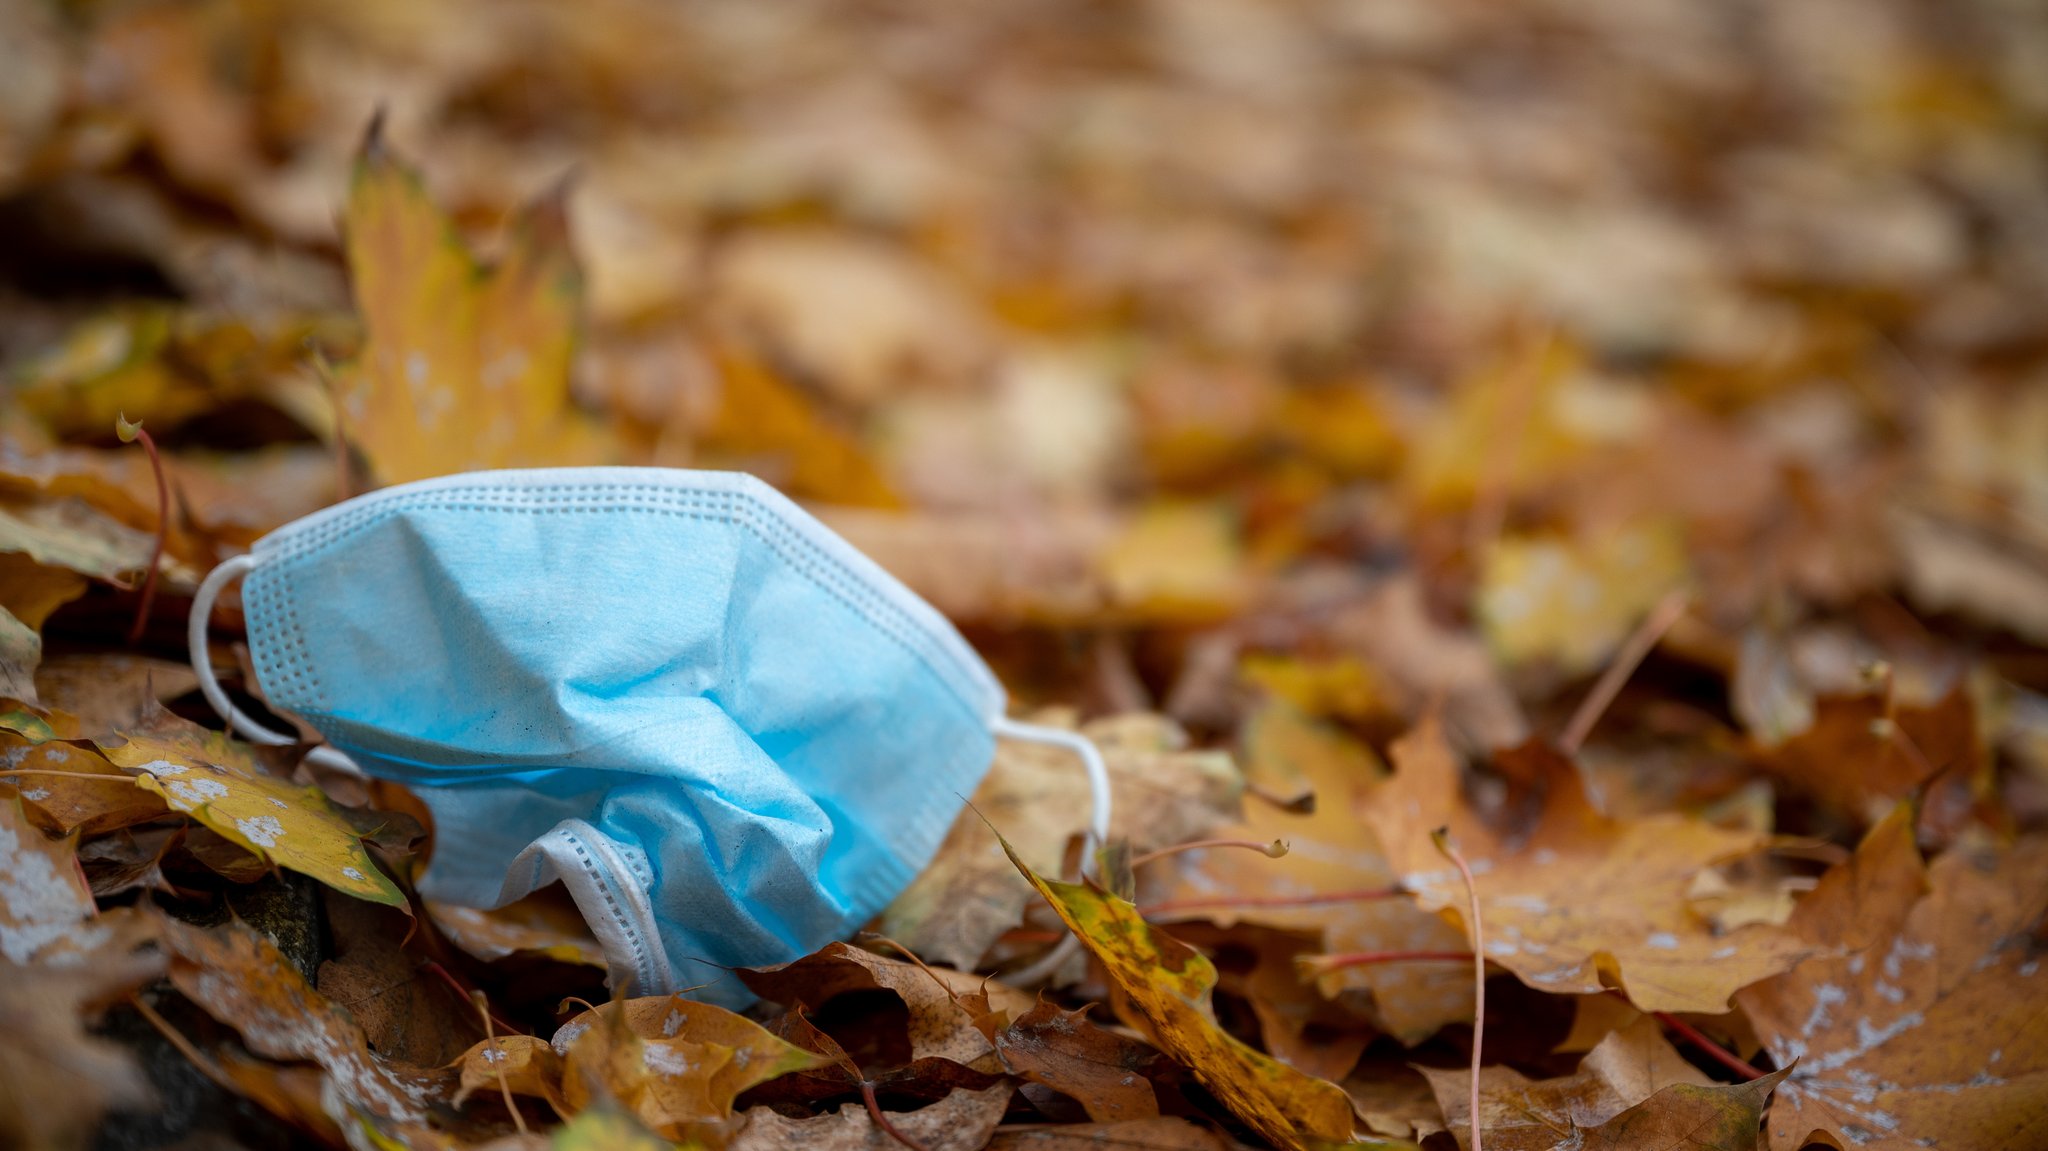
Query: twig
x=881, y=1118
x=483, y=1009
x=1708, y=1047
x=129, y=433
x=1632, y=653
x=1442, y=838
x=1273, y=850
x=1318, y=899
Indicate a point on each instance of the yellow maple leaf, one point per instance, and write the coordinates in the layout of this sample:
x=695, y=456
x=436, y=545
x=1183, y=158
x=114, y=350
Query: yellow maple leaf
x=464, y=367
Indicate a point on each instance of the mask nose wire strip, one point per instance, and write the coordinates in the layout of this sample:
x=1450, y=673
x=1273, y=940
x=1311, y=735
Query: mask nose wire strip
x=1098, y=825
x=202, y=667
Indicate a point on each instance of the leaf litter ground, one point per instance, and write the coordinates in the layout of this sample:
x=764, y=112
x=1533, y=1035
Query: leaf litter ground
x=1616, y=434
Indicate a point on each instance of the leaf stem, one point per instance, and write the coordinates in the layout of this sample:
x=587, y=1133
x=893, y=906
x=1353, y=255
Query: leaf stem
x=483, y=1010
x=881, y=1118
x=1273, y=850
x=1636, y=649
x=1442, y=838
x=1708, y=1047
x=1318, y=899
x=163, y=525
x=1324, y=964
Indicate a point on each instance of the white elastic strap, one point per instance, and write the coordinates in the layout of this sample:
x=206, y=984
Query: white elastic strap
x=1098, y=775
x=202, y=666
x=1098, y=825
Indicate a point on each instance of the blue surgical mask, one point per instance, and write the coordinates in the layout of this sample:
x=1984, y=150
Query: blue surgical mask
x=727, y=733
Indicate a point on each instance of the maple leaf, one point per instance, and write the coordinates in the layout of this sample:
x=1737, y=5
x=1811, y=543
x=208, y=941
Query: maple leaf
x=1520, y=1114
x=1687, y=1117
x=521, y=1064
x=1169, y=985
x=215, y=780
x=1063, y=1050
x=43, y=895
x=463, y=367
x=673, y=1062
x=1578, y=902
x=543, y=923
x=1922, y=1019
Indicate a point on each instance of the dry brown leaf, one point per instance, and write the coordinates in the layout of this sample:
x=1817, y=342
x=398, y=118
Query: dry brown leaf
x=55, y=1079
x=522, y=1064
x=941, y=1025
x=1577, y=902
x=1686, y=1117
x=240, y=978
x=1521, y=1114
x=1849, y=760
x=962, y=1121
x=544, y=923
x=673, y=1062
x=1162, y=1134
x=1064, y=1050
x=43, y=895
x=406, y=1014
x=1921, y=1020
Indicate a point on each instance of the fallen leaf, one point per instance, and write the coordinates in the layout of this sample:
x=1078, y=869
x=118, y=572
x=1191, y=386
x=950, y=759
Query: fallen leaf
x=1394, y=1100
x=1920, y=1020
x=1169, y=985
x=543, y=923
x=1578, y=902
x=216, y=780
x=962, y=1121
x=29, y=592
x=111, y=690
x=240, y=978
x=1162, y=1134
x=1163, y=793
x=71, y=535
x=1849, y=760
x=1572, y=602
x=43, y=894
x=941, y=1027
x=607, y=1129
x=1687, y=1117
x=673, y=1062
x=522, y=1064
x=73, y=789
x=405, y=1013
x=463, y=367
x=56, y=1080
x=1330, y=876
x=1521, y=1114
x=1065, y=1051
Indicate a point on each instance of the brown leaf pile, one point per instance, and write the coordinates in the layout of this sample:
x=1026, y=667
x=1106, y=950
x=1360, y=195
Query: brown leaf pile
x=1615, y=432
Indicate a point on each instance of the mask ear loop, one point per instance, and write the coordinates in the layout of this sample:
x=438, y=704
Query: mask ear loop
x=1098, y=822
x=202, y=667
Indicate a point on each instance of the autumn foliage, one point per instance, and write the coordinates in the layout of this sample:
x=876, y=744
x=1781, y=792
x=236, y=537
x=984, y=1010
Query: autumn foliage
x=1604, y=445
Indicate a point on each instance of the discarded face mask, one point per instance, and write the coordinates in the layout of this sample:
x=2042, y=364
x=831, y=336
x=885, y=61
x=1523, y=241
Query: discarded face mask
x=731, y=736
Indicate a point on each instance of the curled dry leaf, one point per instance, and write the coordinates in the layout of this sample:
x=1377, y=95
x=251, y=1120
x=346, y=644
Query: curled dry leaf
x=1577, y=902
x=544, y=923
x=1922, y=1018
x=1162, y=1134
x=941, y=1025
x=1169, y=984
x=524, y=1064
